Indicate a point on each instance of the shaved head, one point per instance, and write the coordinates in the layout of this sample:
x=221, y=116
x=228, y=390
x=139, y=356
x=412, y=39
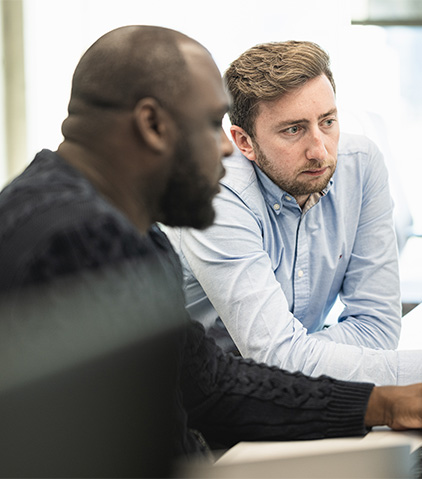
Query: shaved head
x=131, y=63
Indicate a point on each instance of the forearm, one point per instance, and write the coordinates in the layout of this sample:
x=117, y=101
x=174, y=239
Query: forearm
x=241, y=400
x=260, y=323
x=230, y=399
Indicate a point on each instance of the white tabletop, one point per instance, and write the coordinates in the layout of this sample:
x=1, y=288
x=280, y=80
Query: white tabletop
x=381, y=454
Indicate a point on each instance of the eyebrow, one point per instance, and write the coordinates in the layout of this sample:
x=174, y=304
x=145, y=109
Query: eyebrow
x=286, y=123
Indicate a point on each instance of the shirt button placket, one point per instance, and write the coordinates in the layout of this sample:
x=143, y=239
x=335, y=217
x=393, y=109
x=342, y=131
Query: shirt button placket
x=301, y=280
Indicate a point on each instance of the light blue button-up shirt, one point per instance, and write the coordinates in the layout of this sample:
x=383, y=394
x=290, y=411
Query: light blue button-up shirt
x=272, y=271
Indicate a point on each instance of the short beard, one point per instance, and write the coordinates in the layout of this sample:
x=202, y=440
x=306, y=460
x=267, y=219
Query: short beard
x=187, y=200
x=293, y=188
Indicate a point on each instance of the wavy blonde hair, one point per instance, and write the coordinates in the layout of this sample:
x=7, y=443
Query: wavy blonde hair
x=268, y=71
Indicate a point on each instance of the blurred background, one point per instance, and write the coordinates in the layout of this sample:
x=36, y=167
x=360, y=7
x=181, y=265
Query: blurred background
x=375, y=48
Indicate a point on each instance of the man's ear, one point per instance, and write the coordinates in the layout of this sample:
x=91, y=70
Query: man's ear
x=243, y=142
x=153, y=122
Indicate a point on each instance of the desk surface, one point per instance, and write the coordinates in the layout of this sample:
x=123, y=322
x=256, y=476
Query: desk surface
x=381, y=454
x=411, y=333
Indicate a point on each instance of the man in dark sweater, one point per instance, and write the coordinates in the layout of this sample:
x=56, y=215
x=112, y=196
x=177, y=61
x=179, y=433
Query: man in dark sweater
x=142, y=145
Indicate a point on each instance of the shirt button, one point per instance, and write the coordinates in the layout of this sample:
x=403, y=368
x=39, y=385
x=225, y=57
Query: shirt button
x=300, y=273
x=276, y=206
x=288, y=198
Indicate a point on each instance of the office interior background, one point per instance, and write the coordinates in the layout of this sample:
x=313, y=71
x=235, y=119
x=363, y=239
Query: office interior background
x=375, y=48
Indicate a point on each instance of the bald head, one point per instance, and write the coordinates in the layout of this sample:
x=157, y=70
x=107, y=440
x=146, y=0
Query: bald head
x=131, y=63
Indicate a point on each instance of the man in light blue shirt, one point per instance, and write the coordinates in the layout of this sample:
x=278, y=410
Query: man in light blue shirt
x=304, y=215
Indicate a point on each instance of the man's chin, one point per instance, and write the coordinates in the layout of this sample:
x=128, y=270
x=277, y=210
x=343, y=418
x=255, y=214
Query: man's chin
x=203, y=225
x=314, y=185
x=201, y=222
x=193, y=217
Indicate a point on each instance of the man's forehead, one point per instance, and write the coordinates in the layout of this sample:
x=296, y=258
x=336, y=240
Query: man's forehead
x=314, y=97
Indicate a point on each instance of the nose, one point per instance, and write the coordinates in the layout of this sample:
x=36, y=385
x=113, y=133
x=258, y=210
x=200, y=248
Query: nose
x=226, y=144
x=316, y=149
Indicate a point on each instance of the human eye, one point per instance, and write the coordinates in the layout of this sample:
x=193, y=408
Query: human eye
x=292, y=130
x=329, y=122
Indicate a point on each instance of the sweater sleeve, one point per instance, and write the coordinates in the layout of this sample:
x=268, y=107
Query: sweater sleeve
x=236, y=399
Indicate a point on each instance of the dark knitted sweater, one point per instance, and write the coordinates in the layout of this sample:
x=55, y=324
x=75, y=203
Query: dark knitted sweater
x=55, y=225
